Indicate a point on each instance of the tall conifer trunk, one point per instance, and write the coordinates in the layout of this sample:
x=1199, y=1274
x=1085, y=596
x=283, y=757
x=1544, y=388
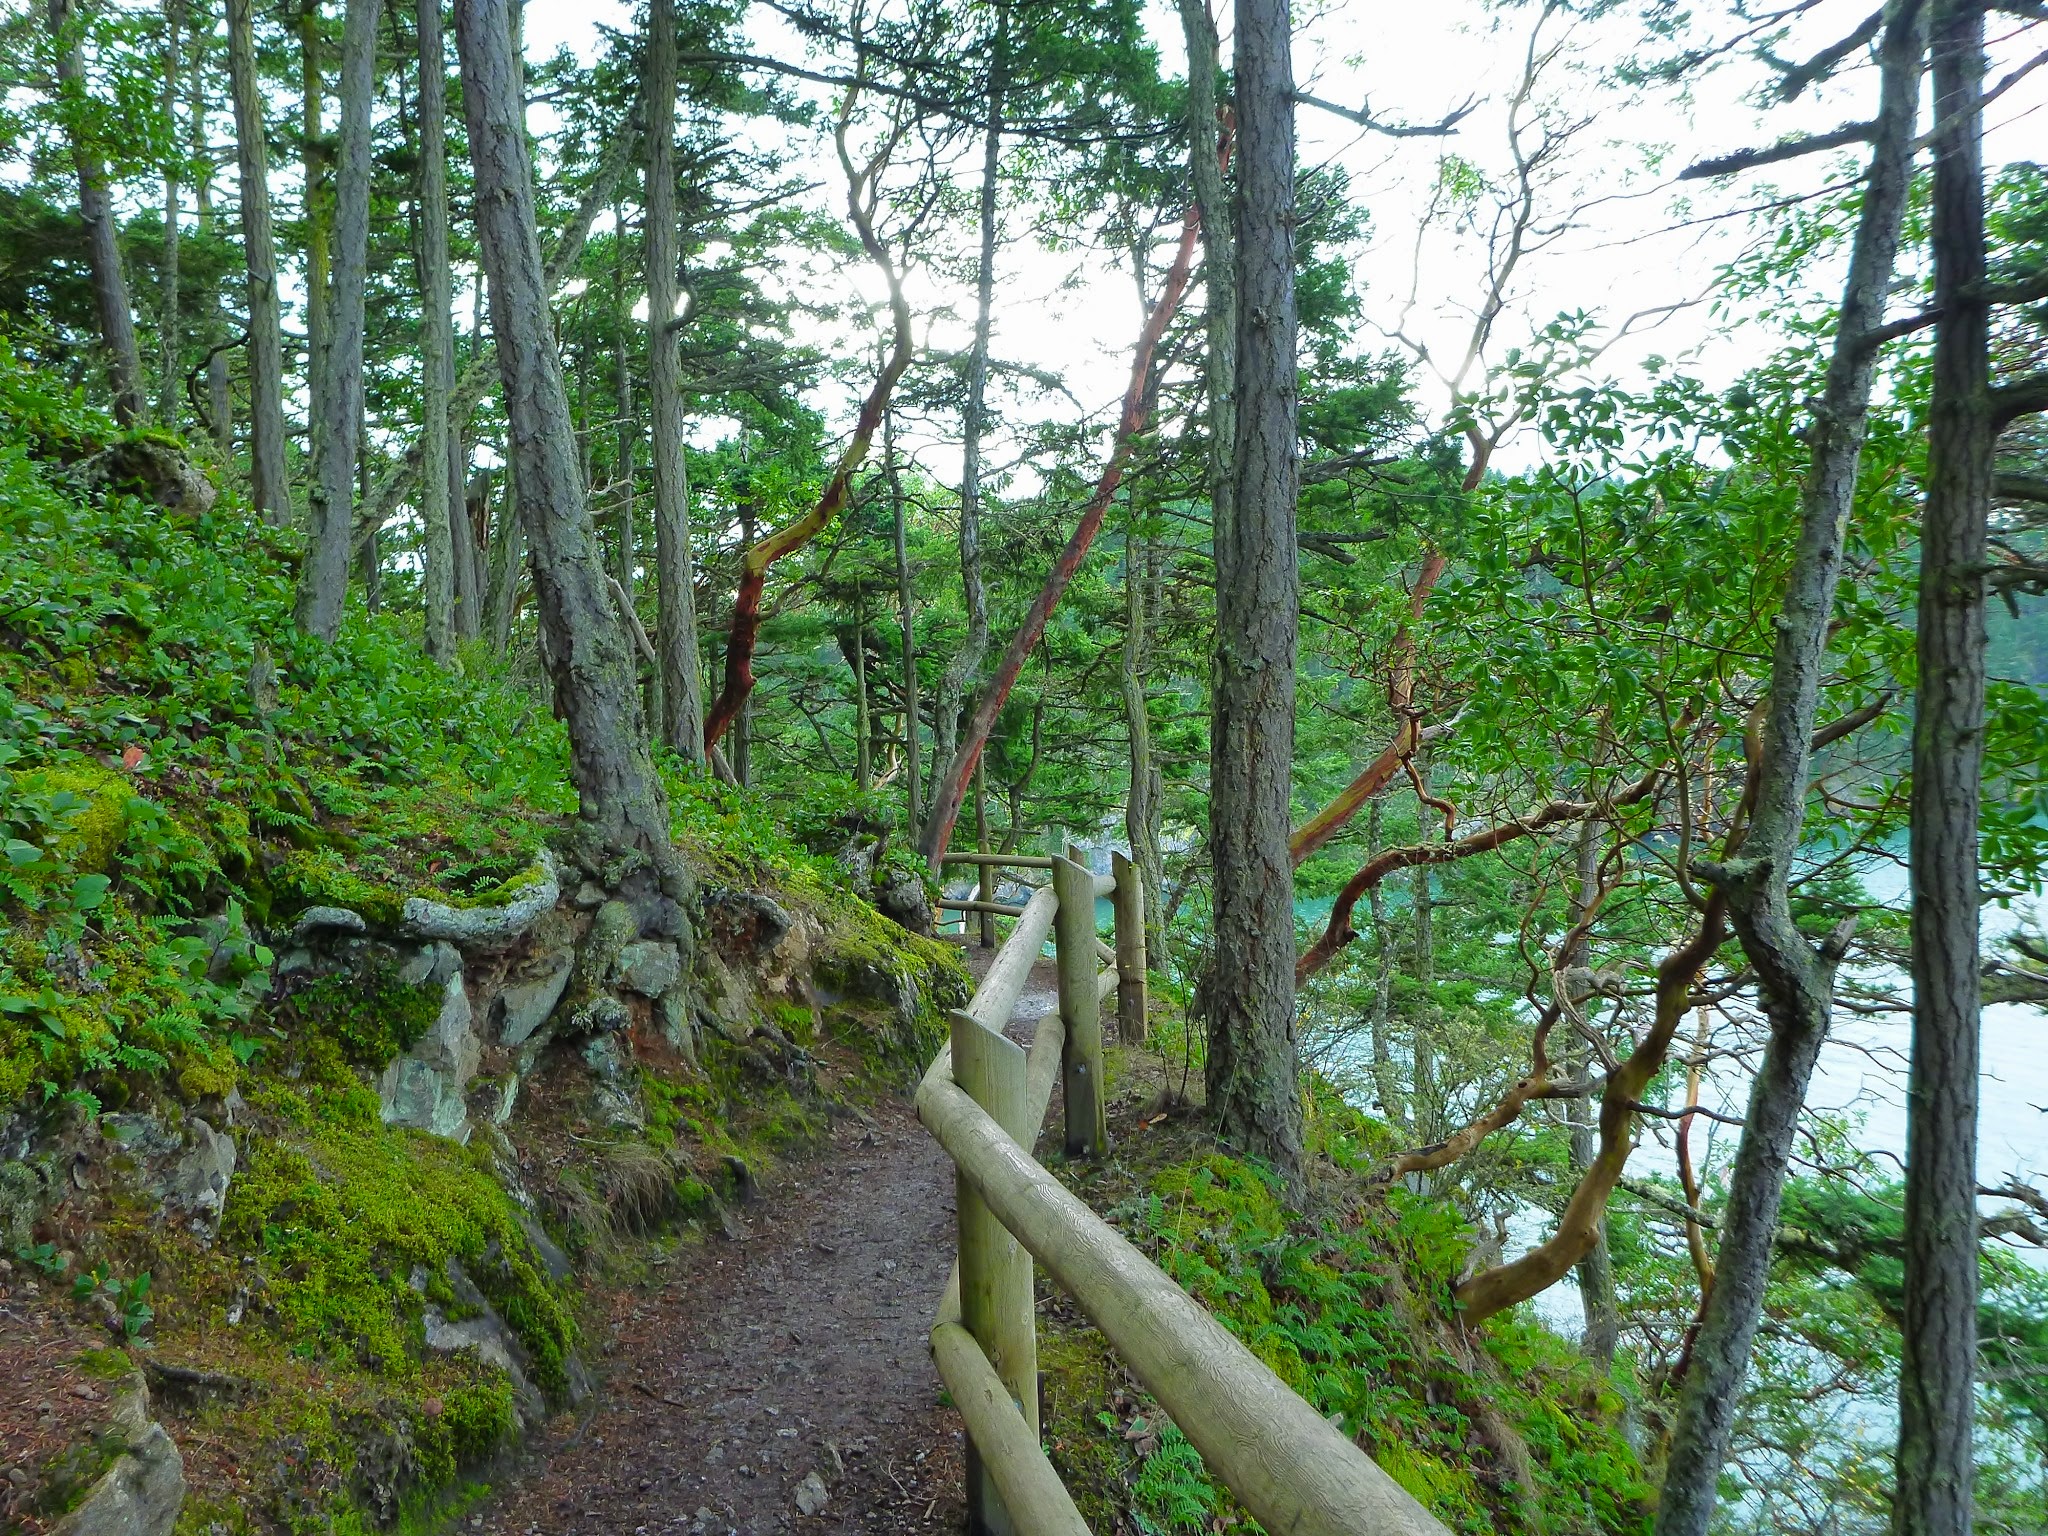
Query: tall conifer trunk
x=622, y=810
x=440, y=510
x=1252, y=1075
x=682, y=685
x=323, y=578
x=95, y=210
x=1938, y=1322
x=271, y=487
x=1795, y=977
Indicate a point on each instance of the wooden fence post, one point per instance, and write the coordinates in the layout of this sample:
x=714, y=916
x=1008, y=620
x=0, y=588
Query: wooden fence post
x=1073, y=929
x=996, y=1302
x=1133, y=1023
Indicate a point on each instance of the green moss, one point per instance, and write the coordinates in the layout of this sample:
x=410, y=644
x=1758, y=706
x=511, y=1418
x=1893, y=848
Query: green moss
x=92, y=833
x=105, y=1364
x=339, y=1222
x=503, y=892
x=370, y=1014
x=322, y=878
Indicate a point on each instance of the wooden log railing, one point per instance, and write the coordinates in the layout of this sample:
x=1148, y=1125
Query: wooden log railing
x=984, y=1098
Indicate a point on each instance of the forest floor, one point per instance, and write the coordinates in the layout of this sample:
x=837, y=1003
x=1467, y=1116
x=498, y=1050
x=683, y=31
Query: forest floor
x=781, y=1363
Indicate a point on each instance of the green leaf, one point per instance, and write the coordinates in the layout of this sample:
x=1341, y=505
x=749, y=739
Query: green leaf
x=20, y=853
x=88, y=891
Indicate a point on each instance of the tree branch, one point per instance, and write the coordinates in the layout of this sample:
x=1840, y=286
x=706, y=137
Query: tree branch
x=1363, y=116
x=1785, y=149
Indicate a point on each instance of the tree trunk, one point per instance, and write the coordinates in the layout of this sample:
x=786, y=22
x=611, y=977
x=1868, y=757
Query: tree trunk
x=171, y=374
x=268, y=480
x=1795, y=980
x=1205, y=174
x=323, y=578
x=508, y=556
x=440, y=510
x=906, y=601
x=1596, y=1270
x=625, y=451
x=966, y=663
x=1424, y=1100
x=622, y=809
x=682, y=679
x=1938, y=1319
x=219, y=399
x=1386, y=1081
x=863, y=742
x=95, y=210
x=1141, y=802
x=1253, y=1067
x=316, y=214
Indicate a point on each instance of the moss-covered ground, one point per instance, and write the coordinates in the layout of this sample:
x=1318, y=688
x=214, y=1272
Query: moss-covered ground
x=1503, y=1430
x=181, y=775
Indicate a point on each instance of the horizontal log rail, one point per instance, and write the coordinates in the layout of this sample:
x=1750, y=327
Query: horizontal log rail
x=1001, y=860
x=984, y=1099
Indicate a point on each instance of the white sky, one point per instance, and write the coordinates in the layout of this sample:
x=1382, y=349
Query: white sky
x=1637, y=241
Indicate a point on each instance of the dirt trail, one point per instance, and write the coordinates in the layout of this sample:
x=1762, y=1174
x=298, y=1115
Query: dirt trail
x=793, y=1350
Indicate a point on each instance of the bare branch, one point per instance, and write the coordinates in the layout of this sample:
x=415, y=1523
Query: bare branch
x=1364, y=117
x=1784, y=149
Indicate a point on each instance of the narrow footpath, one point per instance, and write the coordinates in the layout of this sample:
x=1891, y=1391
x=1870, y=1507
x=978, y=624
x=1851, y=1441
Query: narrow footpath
x=780, y=1381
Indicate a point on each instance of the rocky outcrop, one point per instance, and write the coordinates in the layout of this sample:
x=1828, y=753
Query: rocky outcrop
x=142, y=1492
x=427, y=1088
x=158, y=472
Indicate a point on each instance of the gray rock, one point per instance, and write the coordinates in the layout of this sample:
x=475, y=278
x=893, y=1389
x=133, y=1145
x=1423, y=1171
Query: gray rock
x=616, y=1098
x=199, y=1184
x=545, y=1248
x=142, y=1492
x=484, y=1334
x=901, y=897
x=672, y=1013
x=589, y=896
x=473, y=926
x=141, y=466
x=292, y=961
x=810, y=1495
x=327, y=921
x=426, y=1088
x=432, y=966
x=525, y=1005
x=649, y=968
x=142, y=1135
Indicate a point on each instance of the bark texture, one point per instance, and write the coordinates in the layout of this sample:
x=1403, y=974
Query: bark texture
x=1253, y=1064
x=439, y=510
x=682, y=685
x=1938, y=1316
x=622, y=811
x=96, y=211
x=323, y=578
x=1795, y=979
x=269, y=482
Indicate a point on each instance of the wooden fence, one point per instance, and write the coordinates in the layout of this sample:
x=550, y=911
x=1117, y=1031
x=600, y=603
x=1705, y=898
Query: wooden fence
x=985, y=1098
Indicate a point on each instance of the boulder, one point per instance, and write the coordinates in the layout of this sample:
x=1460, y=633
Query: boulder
x=432, y=965
x=426, y=1088
x=523, y=1006
x=143, y=1491
x=650, y=967
x=616, y=1098
x=160, y=472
